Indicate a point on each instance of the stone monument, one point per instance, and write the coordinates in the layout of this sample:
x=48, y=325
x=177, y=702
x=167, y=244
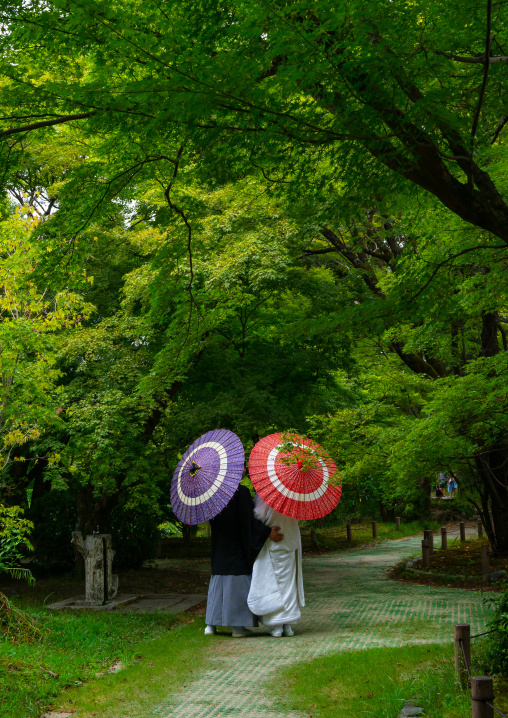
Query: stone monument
x=101, y=585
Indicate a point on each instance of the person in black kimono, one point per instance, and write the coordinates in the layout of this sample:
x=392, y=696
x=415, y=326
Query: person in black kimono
x=237, y=538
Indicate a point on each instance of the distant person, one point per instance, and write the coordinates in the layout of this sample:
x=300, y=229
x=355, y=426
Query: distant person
x=442, y=483
x=452, y=485
x=237, y=538
x=276, y=593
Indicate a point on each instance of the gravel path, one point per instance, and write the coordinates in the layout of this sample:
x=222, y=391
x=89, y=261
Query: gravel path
x=351, y=604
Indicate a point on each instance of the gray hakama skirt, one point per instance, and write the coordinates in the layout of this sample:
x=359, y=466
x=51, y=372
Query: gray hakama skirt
x=227, y=602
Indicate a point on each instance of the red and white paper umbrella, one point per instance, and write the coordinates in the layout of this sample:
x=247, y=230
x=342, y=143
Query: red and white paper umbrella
x=294, y=476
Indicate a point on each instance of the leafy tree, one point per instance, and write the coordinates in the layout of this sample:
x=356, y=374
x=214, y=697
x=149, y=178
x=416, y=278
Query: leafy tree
x=375, y=139
x=14, y=538
x=30, y=316
x=388, y=94
x=14, y=533
x=151, y=368
x=444, y=321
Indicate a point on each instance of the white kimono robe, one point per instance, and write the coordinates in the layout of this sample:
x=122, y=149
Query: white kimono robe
x=276, y=592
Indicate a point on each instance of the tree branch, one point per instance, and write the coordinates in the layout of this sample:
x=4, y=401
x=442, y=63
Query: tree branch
x=480, y=59
x=486, y=64
x=48, y=123
x=450, y=259
x=369, y=279
x=312, y=252
x=498, y=129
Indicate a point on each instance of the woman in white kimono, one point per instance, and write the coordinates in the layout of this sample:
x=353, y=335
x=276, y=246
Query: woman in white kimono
x=276, y=592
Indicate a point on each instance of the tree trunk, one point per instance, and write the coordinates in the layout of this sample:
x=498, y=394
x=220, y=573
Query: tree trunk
x=387, y=514
x=186, y=533
x=492, y=471
x=490, y=325
x=425, y=483
x=93, y=514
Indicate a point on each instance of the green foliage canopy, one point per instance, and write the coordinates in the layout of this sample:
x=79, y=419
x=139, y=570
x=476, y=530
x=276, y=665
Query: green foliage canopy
x=289, y=211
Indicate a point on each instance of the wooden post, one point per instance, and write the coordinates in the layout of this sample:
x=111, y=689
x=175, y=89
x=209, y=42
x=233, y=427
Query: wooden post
x=482, y=693
x=397, y=522
x=462, y=635
x=480, y=529
x=374, y=529
x=349, y=534
x=462, y=527
x=426, y=553
x=485, y=559
x=428, y=535
x=444, y=538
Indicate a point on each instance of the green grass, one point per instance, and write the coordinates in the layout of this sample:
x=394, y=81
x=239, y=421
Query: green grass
x=62, y=668
x=333, y=538
x=163, y=667
x=329, y=538
x=375, y=683
x=458, y=565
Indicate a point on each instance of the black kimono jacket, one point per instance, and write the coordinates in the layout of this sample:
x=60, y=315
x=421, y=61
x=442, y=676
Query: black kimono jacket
x=237, y=536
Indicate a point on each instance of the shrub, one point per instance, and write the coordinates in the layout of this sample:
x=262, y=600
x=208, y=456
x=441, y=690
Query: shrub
x=14, y=532
x=497, y=645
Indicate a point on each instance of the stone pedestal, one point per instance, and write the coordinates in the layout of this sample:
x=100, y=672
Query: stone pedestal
x=100, y=583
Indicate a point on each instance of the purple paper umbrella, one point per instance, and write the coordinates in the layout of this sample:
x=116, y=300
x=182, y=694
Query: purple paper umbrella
x=207, y=476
